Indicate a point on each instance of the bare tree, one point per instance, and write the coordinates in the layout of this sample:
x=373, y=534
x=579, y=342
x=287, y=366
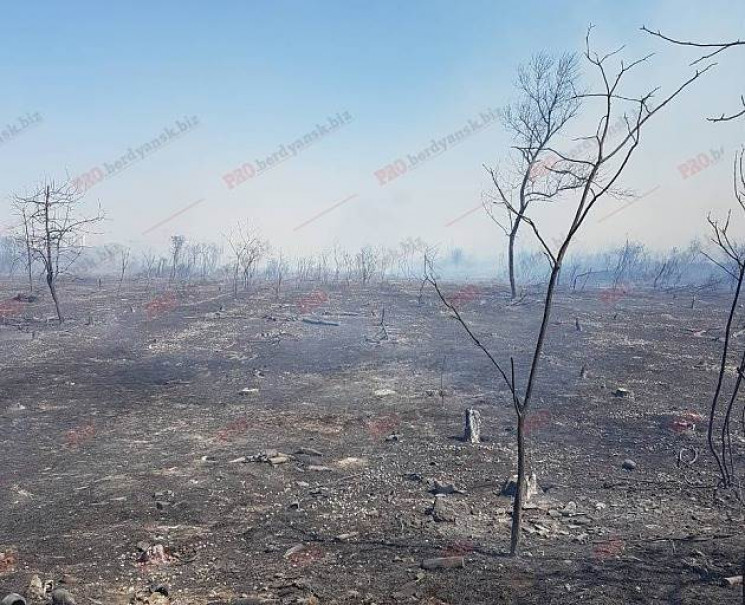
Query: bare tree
x=148, y=259
x=366, y=261
x=248, y=248
x=26, y=238
x=548, y=100
x=53, y=231
x=276, y=271
x=211, y=254
x=732, y=261
x=709, y=51
x=124, y=256
x=177, y=245
x=588, y=182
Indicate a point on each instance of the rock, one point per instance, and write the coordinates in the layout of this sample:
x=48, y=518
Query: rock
x=294, y=550
x=36, y=590
x=445, y=488
x=155, y=554
x=732, y=581
x=14, y=599
x=443, y=563
x=510, y=487
x=247, y=391
x=27, y=298
x=351, y=461
x=380, y=393
x=308, y=451
x=272, y=457
x=441, y=512
x=159, y=588
x=623, y=393
x=319, y=468
x=570, y=509
x=60, y=596
x=250, y=601
x=472, y=433
x=628, y=464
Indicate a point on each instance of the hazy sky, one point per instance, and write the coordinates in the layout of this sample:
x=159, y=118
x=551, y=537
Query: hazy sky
x=98, y=82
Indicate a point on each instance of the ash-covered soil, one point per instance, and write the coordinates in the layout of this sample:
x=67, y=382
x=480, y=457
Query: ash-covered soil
x=223, y=447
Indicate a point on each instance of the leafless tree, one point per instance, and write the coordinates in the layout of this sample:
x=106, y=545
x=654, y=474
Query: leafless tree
x=725, y=399
x=366, y=261
x=731, y=259
x=177, y=245
x=548, y=100
x=338, y=254
x=211, y=254
x=410, y=254
x=276, y=271
x=148, y=261
x=25, y=237
x=248, y=248
x=124, y=256
x=627, y=261
x=708, y=51
x=54, y=232
x=587, y=182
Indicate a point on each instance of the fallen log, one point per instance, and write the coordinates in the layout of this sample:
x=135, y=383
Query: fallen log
x=319, y=322
x=443, y=563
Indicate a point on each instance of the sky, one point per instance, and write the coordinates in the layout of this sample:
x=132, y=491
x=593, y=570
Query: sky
x=194, y=99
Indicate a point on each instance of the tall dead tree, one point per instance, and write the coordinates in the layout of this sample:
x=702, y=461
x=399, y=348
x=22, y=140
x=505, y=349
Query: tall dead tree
x=177, y=245
x=25, y=237
x=248, y=248
x=54, y=233
x=707, y=51
x=124, y=255
x=588, y=180
x=547, y=101
x=732, y=261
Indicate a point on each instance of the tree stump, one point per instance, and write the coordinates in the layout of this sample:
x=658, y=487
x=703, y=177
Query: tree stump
x=473, y=426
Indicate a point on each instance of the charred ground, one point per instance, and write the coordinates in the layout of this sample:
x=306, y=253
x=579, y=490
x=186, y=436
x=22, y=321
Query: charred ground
x=131, y=427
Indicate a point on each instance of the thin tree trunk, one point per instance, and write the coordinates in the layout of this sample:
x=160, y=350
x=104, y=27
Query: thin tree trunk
x=53, y=291
x=30, y=273
x=49, y=265
x=721, y=460
x=517, y=508
x=525, y=406
x=511, y=262
x=29, y=255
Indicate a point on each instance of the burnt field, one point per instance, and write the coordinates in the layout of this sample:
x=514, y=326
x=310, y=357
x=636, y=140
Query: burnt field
x=227, y=447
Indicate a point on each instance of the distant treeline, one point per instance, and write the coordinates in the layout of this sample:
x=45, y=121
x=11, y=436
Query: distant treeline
x=630, y=264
